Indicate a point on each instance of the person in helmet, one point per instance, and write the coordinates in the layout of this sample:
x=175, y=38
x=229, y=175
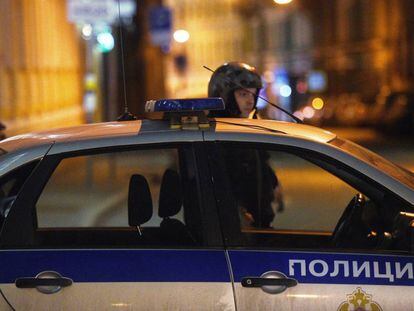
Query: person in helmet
x=254, y=184
x=238, y=84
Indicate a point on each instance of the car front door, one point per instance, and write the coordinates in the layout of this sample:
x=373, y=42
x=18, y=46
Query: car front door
x=304, y=232
x=73, y=241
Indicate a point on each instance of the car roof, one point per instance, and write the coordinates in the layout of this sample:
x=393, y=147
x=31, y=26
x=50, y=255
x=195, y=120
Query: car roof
x=276, y=127
x=131, y=128
x=25, y=148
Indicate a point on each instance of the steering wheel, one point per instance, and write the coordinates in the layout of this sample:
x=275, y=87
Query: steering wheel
x=349, y=221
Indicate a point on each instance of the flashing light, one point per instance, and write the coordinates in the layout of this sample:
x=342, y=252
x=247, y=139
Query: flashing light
x=106, y=42
x=308, y=112
x=285, y=90
x=317, y=103
x=184, y=105
x=181, y=35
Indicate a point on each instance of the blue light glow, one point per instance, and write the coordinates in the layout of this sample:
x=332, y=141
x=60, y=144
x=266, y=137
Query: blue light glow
x=285, y=90
x=260, y=102
x=183, y=105
x=106, y=42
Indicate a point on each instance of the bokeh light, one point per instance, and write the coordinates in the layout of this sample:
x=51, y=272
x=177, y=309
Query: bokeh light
x=87, y=31
x=317, y=103
x=308, y=112
x=181, y=35
x=282, y=1
x=106, y=42
x=285, y=91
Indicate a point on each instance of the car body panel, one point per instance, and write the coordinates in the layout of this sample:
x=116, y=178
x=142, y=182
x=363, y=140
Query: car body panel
x=266, y=126
x=117, y=296
x=323, y=285
x=315, y=297
x=153, y=278
x=75, y=133
x=107, y=279
x=17, y=158
x=143, y=138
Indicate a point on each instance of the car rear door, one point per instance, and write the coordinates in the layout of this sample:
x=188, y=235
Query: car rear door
x=327, y=246
x=67, y=243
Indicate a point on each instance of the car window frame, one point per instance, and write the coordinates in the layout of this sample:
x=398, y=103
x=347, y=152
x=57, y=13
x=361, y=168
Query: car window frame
x=21, y=228
x=228, y=212
x=20, y=175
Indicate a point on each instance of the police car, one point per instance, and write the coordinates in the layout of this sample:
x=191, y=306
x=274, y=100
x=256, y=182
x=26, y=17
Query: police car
x=143, y=215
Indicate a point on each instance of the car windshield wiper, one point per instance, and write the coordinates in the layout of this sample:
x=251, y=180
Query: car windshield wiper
x=257, y=127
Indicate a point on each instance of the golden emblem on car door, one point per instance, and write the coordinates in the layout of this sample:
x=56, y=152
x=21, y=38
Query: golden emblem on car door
x=359, y=301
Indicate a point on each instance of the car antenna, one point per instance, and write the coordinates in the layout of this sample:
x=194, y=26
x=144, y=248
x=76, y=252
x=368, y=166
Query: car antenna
x=261, y=97
x=126, y=116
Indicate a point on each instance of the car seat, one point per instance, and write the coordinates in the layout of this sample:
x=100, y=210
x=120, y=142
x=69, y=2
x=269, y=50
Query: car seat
x=173, y=231
x=139, y=201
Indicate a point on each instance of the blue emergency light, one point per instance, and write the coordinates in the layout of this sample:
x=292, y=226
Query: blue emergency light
x=186, y=114
x=184, y=105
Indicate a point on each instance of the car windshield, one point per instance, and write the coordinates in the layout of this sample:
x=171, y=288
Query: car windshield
x=401, y=174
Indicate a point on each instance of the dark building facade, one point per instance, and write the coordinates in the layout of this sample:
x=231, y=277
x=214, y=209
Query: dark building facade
x=364, y=47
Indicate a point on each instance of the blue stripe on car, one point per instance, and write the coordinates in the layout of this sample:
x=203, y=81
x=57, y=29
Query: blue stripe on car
x=117, y=265
x=320, y=267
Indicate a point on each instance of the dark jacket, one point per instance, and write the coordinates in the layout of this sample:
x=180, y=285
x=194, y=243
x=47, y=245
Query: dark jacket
x=252, y=181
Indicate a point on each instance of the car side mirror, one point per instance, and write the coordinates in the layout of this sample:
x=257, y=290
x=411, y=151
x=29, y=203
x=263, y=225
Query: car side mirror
x=139, y=201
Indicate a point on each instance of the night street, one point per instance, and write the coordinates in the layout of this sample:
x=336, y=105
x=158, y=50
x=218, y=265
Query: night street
x=231, y=155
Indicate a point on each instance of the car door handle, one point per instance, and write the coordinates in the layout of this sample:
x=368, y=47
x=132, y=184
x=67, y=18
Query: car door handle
x=259, y=282
x=46, y=282
x=35, y=282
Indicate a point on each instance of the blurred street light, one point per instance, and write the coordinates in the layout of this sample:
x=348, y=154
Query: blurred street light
x=87, y=31
x=308, y=112
x=285, y=90
x=106, y=42
x=181, y=35
x=317, y=103
x=282, y=1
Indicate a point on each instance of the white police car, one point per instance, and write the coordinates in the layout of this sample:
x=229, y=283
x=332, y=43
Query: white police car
x=144, y=215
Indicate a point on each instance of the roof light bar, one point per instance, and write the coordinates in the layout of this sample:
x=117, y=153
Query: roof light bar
x=184, y=105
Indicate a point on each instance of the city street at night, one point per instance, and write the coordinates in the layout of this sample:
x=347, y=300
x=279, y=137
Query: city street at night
x=233, y=155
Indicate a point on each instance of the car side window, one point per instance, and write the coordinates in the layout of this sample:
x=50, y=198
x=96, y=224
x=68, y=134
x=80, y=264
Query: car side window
x=88, y=195
x=285, y=200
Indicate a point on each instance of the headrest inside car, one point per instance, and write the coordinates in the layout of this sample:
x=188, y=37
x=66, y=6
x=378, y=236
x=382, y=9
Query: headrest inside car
x=139, y=201
x=170, y=200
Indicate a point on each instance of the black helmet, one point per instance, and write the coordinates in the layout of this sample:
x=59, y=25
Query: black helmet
x=226, y=79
